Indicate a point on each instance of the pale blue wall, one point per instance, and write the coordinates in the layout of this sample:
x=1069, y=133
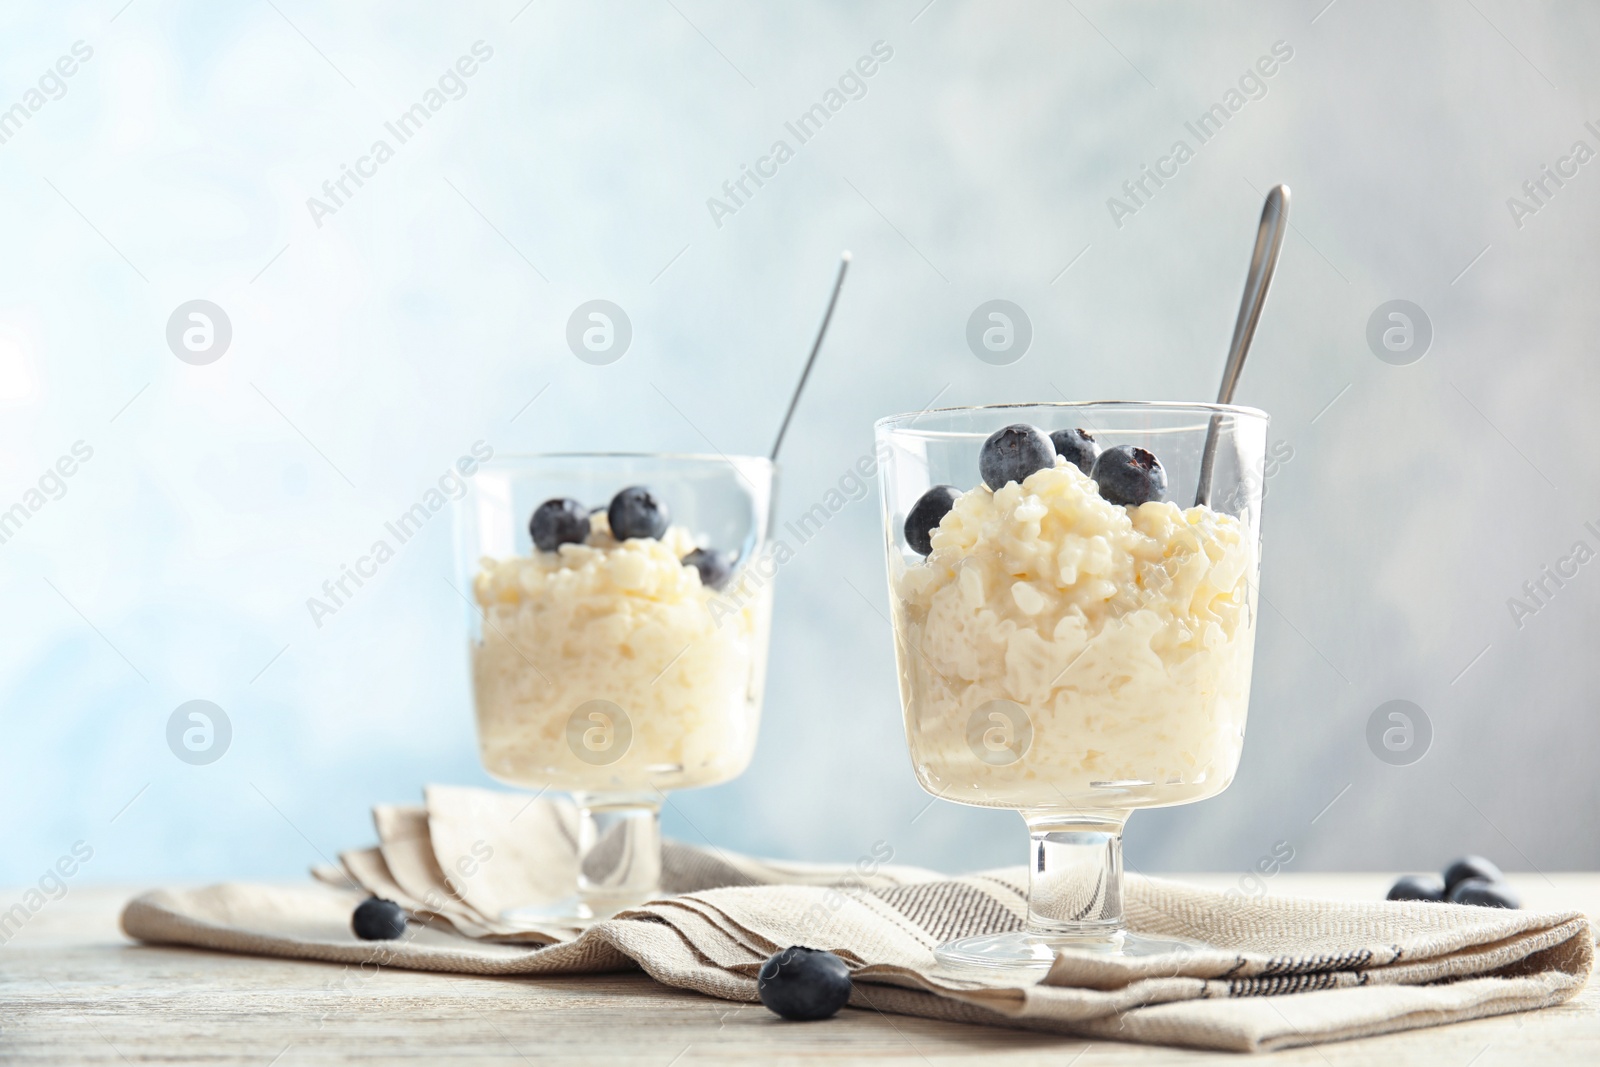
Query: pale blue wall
x=978, y=165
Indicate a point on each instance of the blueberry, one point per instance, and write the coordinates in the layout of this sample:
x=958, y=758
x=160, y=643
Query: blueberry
x=926, y=514
x=1011, y=454
x=635, y=512
x=1078, y=446
x=715, y=567
x=1128, y=474
x=1418, y=887
x=376, y=919
x=804, y=984
x=1484, y=893
x=562, y=521
x=1470, y=867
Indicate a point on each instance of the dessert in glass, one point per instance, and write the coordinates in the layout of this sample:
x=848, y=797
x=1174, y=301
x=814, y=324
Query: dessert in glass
x=1074, y=631
x=618, y=641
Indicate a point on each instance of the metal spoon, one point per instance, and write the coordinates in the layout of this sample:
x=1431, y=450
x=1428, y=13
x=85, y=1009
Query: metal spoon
x=816, y=346
x=1263, y=262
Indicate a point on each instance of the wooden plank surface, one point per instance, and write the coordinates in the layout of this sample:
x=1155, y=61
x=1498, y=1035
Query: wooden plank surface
x=73, y=990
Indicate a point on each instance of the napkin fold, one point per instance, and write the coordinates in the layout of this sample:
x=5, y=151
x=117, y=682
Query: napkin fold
x=1288, y=971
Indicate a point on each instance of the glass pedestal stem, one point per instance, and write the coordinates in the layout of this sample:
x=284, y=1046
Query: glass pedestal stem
x=1074, y=902
x=1075, y=874
x=619, y=851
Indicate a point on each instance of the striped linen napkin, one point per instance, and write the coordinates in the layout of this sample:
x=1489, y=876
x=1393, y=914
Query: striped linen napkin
x=1288, y=971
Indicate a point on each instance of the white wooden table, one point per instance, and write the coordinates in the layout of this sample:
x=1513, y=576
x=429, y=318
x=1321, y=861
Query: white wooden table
x=73, y=990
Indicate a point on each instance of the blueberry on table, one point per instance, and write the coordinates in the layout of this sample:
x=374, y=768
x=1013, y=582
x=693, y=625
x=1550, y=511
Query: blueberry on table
x=1418, y=887
x=1078, y=446
x=557, y=522
x=635, y=512
x=715, y=567
x=1128, y=474
x=1484, y=893
x=1011, y=454
x=376, y=919
x=1471, y=867
x=803, y=984
x=926, y=514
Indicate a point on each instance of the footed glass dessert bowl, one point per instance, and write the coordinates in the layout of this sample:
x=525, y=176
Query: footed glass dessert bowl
x=1074, y=634
x=618, y=642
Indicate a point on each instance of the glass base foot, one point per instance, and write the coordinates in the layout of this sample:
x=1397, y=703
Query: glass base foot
x=570, y=911
x=617, y=845
x=1033, y=953
x=567, y=913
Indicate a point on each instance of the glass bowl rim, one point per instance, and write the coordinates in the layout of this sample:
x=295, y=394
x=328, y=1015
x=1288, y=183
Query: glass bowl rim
x=723, y=459
x=901, y=421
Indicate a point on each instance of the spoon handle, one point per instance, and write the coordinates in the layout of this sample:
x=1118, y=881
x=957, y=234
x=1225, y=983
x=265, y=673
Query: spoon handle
x=816, y=346
x=1263, y=263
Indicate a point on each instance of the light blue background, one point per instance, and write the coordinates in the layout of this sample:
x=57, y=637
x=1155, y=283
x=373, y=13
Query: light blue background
x=432, y=306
